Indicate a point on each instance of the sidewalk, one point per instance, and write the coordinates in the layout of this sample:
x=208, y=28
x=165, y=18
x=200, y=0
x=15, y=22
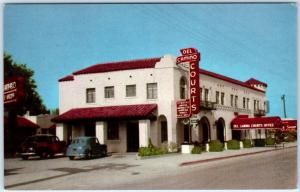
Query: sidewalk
x=179, y=159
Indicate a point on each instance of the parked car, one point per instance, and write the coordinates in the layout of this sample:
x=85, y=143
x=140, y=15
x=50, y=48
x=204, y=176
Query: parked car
x=86, y=147
x=43, y=145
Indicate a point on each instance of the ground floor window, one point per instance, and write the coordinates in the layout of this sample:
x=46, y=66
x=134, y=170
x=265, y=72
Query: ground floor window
x=164, y=131
x=112, y=130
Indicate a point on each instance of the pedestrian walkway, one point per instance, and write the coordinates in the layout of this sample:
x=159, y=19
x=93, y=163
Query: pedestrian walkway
x=179, y=159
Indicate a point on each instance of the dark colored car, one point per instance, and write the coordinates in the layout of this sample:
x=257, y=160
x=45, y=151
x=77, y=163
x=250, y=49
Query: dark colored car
x=43, y=145
x=86, y=147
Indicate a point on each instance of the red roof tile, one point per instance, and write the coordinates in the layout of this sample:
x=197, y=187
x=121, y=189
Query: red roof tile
x=22, y=123
x=253, y=81
x=228, y=79
x=67, y=78
x=119, y=66
x=256, y=123
x=110, y=112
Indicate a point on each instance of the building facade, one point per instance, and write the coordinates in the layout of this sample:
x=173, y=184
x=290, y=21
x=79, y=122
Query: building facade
x=126, y=103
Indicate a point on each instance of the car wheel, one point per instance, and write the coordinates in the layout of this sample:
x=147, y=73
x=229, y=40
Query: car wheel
x=88, y=155
x=104, y=153
x=71, y=157
x=44, y=155
x=24, y=157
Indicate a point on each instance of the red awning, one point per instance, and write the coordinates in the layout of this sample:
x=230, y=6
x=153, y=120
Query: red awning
x=289, y=125
x=110, y=112
x=22, y=122
x=241, y=123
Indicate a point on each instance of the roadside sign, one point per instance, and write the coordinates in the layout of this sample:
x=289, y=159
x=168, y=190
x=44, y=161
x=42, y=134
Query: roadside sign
x=188, y=51
x=13, y=90
x=183, y=108
x=192, y=56
x=188, y=58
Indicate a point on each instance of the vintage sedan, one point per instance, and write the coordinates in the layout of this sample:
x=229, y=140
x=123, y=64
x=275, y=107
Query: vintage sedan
x=43, y=145
x=86, y=147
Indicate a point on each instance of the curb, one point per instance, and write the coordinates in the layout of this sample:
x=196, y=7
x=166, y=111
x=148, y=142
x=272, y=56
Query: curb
x=227, y=157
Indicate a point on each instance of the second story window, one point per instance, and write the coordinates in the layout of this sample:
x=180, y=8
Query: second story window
x=231, y=100
x=205, y=94
x=217, y=97
x=254, y=105
x=248, y=102
x=130, y=90
x=257, y=107
x=90, y=95
x=201, y=94
x=222, y=98
x=151, y=90
x=183, y=89
x=109, y=92
x=244, y=102
x=236, y=101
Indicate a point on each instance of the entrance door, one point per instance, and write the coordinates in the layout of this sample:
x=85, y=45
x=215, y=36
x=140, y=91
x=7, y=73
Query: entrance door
x=205, y=132
x=132, y=137
x=90, y=129
x=220, y=131
x=236, y=134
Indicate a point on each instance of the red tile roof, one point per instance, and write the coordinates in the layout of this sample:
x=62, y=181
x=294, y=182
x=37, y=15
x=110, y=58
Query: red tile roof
x=110, y=112
x=22, y=123
x=256, y=123
x=119, y=66
x=67, y=78
x=253, y=81
x=146, y=63
x=228, y=79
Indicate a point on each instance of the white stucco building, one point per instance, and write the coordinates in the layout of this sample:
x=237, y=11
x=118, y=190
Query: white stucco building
x=125, y=103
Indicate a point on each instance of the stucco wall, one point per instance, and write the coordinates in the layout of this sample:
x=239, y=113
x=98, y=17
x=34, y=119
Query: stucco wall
x=167, y=75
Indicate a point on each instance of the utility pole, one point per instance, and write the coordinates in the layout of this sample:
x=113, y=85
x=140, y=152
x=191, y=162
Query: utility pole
x=283, y=100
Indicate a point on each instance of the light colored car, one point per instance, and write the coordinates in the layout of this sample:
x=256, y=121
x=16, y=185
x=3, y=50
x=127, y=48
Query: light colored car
x=86, y=147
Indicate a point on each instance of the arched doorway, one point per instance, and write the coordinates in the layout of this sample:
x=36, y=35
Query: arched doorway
x=163, y=128
x=204, y=130
x=220, y=129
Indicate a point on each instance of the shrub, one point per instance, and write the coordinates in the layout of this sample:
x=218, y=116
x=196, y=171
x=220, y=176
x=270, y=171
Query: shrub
x=164, y=147
x=152, y=150
x=259, y=142
x=150, y=145
x=149, y=151
x=233, y=144
x=173, y=147
x=196, y=150
x=215, y=146
x=270, y=141
x=247, y=143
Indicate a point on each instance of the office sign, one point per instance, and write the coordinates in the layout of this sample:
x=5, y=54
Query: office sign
x=192, y=56
x=183, y=108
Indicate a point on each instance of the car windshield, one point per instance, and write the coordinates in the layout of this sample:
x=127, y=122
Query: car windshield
x=77, y=141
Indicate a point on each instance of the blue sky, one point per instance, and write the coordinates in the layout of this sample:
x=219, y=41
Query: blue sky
x=237, y=40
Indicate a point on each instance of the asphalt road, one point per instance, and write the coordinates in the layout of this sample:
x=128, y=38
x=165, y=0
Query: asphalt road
x=274, y=170
x=268, y=170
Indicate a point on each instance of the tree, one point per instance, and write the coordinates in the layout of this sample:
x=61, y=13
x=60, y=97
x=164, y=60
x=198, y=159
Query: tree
x=32, y=101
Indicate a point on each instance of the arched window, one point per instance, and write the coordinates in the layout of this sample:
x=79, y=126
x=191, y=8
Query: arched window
x=183, y=88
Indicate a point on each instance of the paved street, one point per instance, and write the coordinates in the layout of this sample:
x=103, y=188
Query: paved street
x=275, y=170
x=272, y=169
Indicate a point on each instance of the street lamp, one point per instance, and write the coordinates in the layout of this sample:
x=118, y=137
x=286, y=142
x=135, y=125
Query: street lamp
x=283, y=100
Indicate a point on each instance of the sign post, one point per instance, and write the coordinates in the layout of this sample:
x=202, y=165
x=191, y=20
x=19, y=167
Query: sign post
x=191, y=56
x=13, y=94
